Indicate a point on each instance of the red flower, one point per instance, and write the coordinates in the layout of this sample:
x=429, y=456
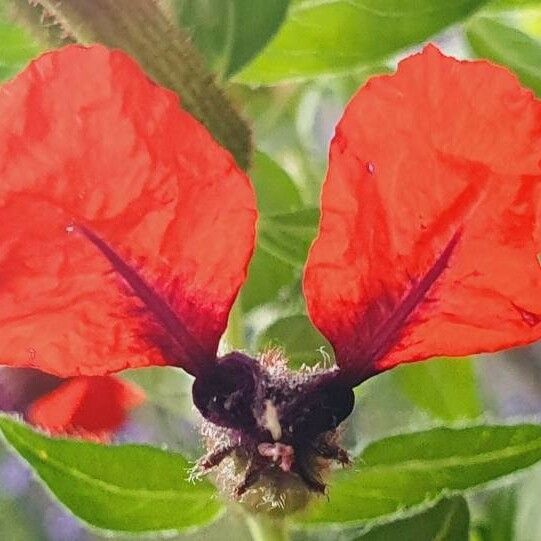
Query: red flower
x=127, y=231
x=431, y=218
x=92, y=407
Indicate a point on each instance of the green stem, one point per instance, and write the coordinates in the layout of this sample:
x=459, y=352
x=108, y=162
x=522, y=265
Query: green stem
x=265, y=528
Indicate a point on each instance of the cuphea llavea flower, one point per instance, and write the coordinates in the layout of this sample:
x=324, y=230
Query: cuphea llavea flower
x=126, y=233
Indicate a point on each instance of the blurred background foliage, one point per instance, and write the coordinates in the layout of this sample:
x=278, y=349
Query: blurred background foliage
x=291, y=67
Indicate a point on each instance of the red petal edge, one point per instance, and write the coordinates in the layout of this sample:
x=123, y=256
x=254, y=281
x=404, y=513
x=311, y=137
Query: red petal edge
x=87, y=407
x=126, y=229
x=431, y=218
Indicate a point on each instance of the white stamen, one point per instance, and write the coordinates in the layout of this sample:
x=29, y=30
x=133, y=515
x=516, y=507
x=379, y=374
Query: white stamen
x=270, y=420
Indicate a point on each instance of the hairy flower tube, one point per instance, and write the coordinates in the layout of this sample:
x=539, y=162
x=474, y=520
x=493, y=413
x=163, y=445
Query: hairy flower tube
x=126, y=232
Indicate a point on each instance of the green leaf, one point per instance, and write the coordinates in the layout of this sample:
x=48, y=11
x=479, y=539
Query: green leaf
x=285, y=231
x=513, y=4
x=446, y=388
x=489, y=38
x=131, y=488
x=168, y=407
x=230, y=32
x=405, y=471
x=288, y=236
x=323, y=37
x=164, y=386
x=301, y=341
x=16, y=47
x=448, y=520
x=267, y=275
x=276, y=192
x=14, y=525
x=498, y=515
x=528, y=519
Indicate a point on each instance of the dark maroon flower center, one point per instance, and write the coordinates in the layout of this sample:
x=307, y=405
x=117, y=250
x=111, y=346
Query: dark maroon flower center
x=242, y=395
x=278, y=417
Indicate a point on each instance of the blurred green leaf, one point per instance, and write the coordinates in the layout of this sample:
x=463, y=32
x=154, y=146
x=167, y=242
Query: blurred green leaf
x=14, y=526
x=276, y=193
x=288, y=236
x=490, y=38
x=167, y=387
x=16, y=47
x=372, y=418
x=131, y=488
x=168, y=410
x=267, y=275
x=301, y=341
x=513, y=4
x=498, y=516
x=448, y=520
x=230, y=32
x=323, y=37
x=528, y=517
x=446, y=388
x=409, y=470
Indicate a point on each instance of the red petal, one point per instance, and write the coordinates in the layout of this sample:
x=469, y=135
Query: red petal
x=91, y=407
x=431, y=218
x=126, y=229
